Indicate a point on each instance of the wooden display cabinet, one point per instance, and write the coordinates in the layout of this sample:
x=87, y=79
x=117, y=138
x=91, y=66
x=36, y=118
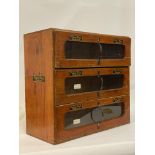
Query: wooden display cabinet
x=76, y=83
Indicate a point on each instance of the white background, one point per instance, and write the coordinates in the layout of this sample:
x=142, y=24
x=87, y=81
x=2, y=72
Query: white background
x=100, y=16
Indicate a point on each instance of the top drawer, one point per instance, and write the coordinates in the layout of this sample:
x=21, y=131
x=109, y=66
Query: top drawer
x=75, y=50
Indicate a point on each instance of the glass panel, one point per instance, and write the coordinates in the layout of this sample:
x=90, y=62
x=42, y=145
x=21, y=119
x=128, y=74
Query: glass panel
x=112, y=81
x=113, y=51
x=82, y=84
x=93, y=83
x=93, y=115
x=87, y=50
x=81, y=50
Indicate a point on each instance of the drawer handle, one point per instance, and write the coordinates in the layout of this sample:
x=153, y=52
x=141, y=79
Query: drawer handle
x=75, y=107
x=101, y=87
x=75, y=38
x=118, y=41
x=116, y=71
x=38, y=78
x=101, y=78
x=100, y=53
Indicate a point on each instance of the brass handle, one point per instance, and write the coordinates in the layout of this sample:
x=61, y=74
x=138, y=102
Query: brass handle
x=38, y=78
x=75, y=107
x=101, y=87
x=101, y=78
x=116, y=71
x=117, y=99
x=118, y=41
x=76, y=38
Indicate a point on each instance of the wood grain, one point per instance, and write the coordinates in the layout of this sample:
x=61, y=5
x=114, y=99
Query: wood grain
x=61, y=62
x=46, y=101
x=39, y=99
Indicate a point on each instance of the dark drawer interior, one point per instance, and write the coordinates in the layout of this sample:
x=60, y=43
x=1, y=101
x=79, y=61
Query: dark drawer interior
x=87, y=50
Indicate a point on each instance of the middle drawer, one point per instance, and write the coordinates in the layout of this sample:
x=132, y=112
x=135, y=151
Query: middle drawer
x=74, y=85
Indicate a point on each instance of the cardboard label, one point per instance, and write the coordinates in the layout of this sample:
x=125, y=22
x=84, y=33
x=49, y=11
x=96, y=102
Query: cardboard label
x=76, y=121
x=77, y=86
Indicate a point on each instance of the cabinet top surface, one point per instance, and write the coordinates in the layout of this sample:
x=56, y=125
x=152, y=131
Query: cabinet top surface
x=74, y=31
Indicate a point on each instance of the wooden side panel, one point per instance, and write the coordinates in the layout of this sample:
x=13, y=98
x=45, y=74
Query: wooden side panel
x=38, y=48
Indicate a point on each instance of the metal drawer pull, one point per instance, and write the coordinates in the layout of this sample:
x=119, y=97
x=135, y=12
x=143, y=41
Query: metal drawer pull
x=101, y=78
x=100, y=53
x=101, y=87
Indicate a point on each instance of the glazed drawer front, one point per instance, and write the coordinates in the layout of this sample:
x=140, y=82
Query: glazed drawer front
x=85, y=84
x=92, y=115
x=74, y=50
x=78, y=119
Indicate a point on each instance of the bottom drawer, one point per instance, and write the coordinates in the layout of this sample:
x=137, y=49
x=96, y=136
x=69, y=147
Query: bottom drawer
x=79, y=119
x=93, y=115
